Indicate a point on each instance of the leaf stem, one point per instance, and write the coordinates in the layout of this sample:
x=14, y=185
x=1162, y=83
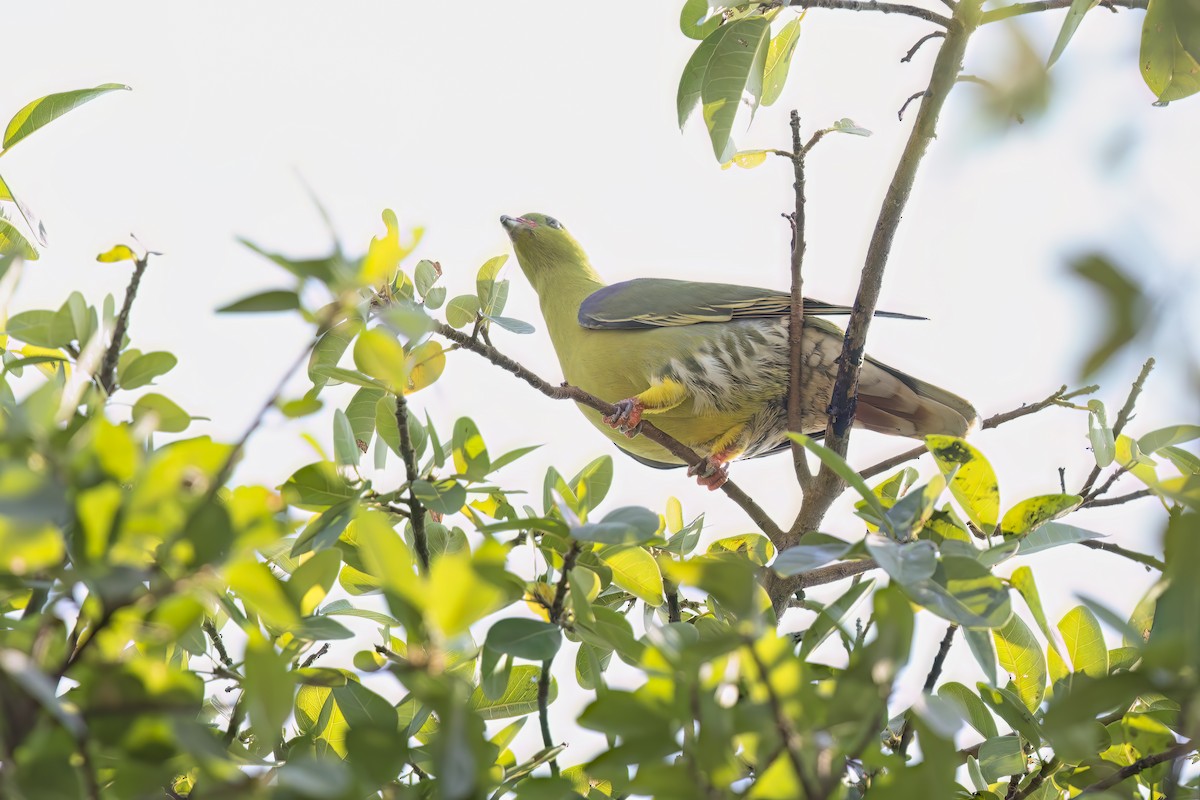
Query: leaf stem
x=795, y=415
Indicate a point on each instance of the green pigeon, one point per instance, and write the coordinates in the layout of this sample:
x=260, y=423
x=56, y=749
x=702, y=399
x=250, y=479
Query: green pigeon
x=706, y=362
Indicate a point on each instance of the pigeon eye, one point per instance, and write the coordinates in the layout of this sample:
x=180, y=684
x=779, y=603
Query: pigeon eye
x=553, y=223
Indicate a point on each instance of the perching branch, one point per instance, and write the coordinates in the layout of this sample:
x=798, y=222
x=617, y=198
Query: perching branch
x=912, y=51
x=564, y=392
x=1017, y=9
x=796, y=313
x=1178, y=751
x=1058, y=398
x=108, y=368
x=1122, y=499
x=1141, y=558
x=410, y=470
x=874, y=5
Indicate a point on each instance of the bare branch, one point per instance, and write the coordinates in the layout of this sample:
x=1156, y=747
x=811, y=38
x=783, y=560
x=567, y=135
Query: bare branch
x=874, y=5
x=564, y=392
x=908, y=102
x=1178, y=751
x=1122, y=499
x=108, y=368
x=1121, y=421
x=796, y=315
x=912, y=51
x=1132, y=555
x=415, y=508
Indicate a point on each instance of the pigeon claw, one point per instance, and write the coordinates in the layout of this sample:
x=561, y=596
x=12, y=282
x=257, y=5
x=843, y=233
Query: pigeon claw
x=628, y=419
x=711, y=473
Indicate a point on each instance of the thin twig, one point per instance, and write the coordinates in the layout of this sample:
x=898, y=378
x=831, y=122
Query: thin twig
x=218, y=642
x=1016, y=10
x=108, y=368
x=1141, y=558
x=1123, y=417
x=935, y=672
x=995, y=421
x=322, y=650
x=1178, y=751
x=560, y=591
x=543, y=702
x=873, y=5
x=564, y=392
x=912, y=51
x=909, y=101
x=795, y=416
x=409, y=457
x=1121, y=499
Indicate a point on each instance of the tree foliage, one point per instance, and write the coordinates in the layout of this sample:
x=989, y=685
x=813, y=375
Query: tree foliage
x=365, y=628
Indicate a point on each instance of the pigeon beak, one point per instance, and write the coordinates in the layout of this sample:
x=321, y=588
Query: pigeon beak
x=514, y=224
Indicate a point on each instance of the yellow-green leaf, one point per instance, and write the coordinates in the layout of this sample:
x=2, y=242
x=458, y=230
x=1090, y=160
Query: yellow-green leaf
x=1029, y=515
x=779, y=58
x=1169, y=64
x=635, y=571
x=46, y=109
x=380, y=355
x=1085, y=642
x=118, y=252
x=1021, y=656
x=426, y=363
x=13, y=242
x=972, y=479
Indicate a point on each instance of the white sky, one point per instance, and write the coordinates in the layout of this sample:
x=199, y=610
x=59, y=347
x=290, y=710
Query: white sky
x=455, y=115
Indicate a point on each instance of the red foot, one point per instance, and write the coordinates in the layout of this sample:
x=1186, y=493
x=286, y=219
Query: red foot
x=712, y=473
x=628, y=417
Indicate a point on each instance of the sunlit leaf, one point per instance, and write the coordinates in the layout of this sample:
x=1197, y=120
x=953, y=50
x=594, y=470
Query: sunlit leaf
x=1104, y=447
x=13, y=242
x=274, y=300
x=697, y=20
x=525, y=638
x=972, y=708
x=35, y=225
x=1030, y=514
x=169, y=417
x=972, y=479
x=46, y=109
x=425, y=365
x=1170, y=49
x=518, y=698
x=635, y=571
x=145, y=368
x=1021, y=656
x=462, y=310
x=779, y=58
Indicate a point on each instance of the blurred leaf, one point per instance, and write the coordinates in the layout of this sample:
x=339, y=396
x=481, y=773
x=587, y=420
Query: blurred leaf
x=753, y=546
x=971, y=707
x=425, y=275
x=630, y=525
x=779, y=58
x=525, y=638
x=46, y=109
x=519, y=696
x=746, y=159
x=35, y=225
x=42, y=328
x=1171, y=49
x=972, y=479
x=1054, y=534
x=425, y=365
x=512, y=325
x=1012, y=710
x=727, y=64
x=12, y=241
x=906, y=563
x=815, y=550
x=1021, y=656
x=909, y=514
x=1000, y=757
x=983, y=648
x=345, y=448
x=834, y=617
x=1030, y=514
x=274, y=300
x=1166, y=437
x=142, y=370
x=591, y=484
x=170, y=417
x=846, y=473
x=378, y=354
x=635, y=571
x=361, y=412
x=962, y=590
x=329, y=349
x=1022, y=580
x=384, y=254
x=324, y=530
x=1127, y=307
x=268, y=690
x=444, y=496
x=316, y=486
x=1085, y=643
x=847, y=125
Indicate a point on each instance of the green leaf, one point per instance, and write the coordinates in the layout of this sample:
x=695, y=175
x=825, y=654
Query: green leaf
x=13, y=242
x=591, y=485
x=145, y=368
x=635, y=571
x=316, y=487
x=728, y=63
x=624, y=526
x=752, y=546
x=470, y=453
x=35, y=225
x=1054, y=534
x=269, y=686
x=445, y=496
x=491, y=293
x=525, y=638
x=170, y=417
x=345, y=448
x=1012, y=710
x=696, y=20
x=41, y=328
x=904, y=563
x=329, y=349
x=1069, y=26
x=846, y=473
x=972, y=479
x=435, y=297
x=1167, y=437
x=909, y=514
x=779, y=58
x=46, y=109
x=1022, y=581
x=425, y=275
x=815, y=550
x=519, y=696
x=1000, y=757
x=512, y=325
x=971, y=707
x=274, y=300
x=983, y=648
x=849, y=126
x=1171, y=49
x=1021, y=656
x=462, y=310
x=360, y=413
x=1104, y=447
x=378, y=354
x=834, y=617
x=1085, y=642
x=324, y=530
x=1030, y=514
x=962, y=590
